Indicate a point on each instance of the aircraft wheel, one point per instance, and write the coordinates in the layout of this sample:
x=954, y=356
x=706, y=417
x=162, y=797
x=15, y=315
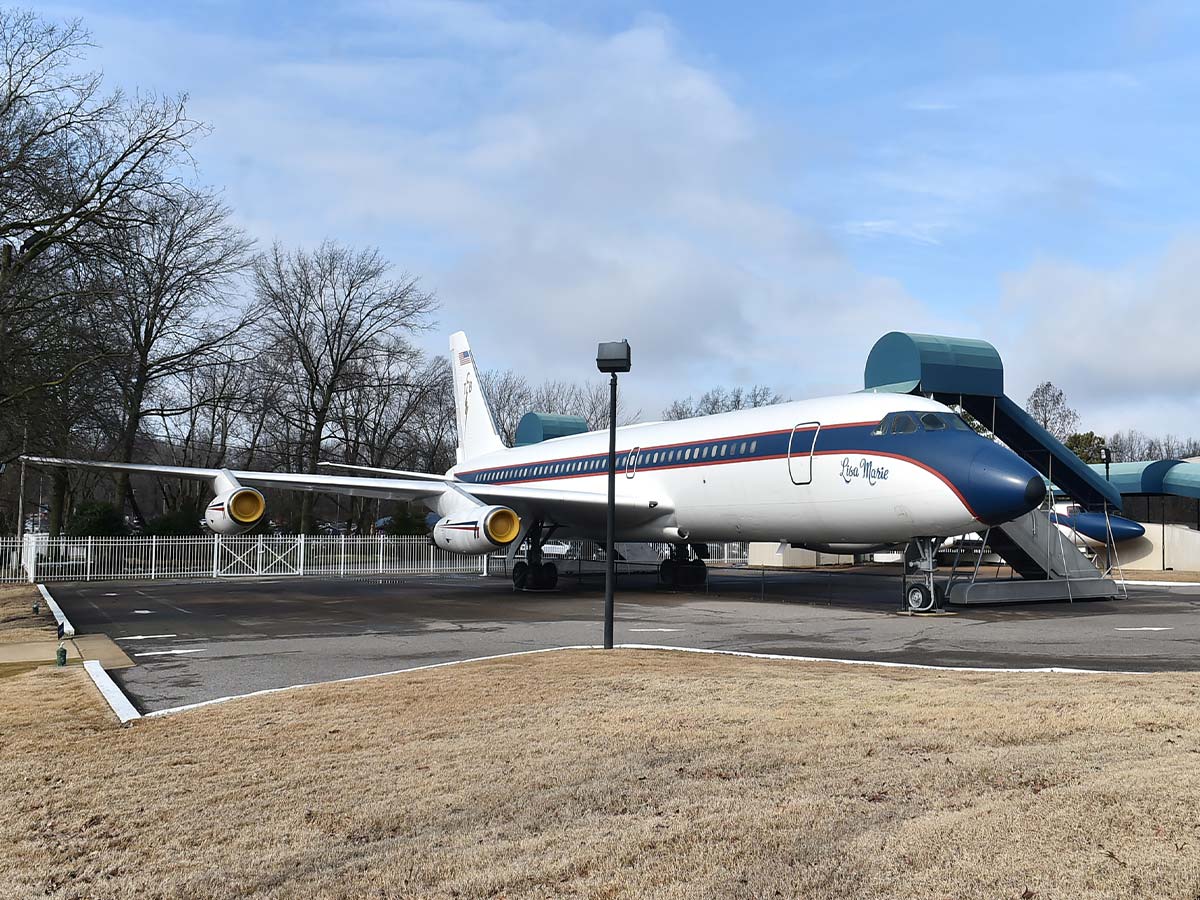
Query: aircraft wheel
x=549, y=575
x=698, y=572
x=520, y=575
x=667, y=573
x=917, y=598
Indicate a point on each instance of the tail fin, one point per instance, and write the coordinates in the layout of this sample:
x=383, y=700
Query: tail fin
x=477, y=433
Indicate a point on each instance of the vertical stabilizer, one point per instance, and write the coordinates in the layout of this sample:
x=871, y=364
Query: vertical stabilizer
x=477, y=432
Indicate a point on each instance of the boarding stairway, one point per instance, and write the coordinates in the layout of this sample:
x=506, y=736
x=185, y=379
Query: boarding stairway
x=970, y=375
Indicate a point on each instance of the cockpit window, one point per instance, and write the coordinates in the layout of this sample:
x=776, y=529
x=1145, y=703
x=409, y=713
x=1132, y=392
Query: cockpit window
x=903, y=424
x=956, y=422
x=933, y=422
x=885, y=424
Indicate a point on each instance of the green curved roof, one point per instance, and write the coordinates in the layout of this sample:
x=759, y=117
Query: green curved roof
x=1161, y=476
x=930, y=363
x=537, y=427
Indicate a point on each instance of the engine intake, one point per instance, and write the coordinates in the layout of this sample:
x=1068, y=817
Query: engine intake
x=235, y=511
x=480, y=530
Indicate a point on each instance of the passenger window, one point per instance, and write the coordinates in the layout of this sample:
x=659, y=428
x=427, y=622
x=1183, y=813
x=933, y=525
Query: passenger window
x=723, y=446
x=933, y=422
x=687, y=454
x=743, y=450
x=753, y=446
x=654, y=458
x=704, y=452
x=904, y=424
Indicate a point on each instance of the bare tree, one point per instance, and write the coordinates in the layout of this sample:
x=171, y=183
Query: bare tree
x=1049, y=408
x=74, y=164
x=328, y=315
x=165, y=306
x=510, y=397
x=719, y=400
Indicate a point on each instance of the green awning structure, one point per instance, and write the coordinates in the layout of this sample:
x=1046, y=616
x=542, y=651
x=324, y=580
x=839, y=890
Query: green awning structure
x=969, y=373
x=537, y=427
x=1172, y=477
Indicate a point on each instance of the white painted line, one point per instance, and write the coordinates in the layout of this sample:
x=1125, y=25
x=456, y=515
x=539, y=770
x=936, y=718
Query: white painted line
x=143, y=612
x=144, y=637
x=1054, y=670
x=1148, y=628
x=56, y=610
x=170, y=652
x=114, y=695
x=654, y=629
x=1162, y=583
x=110, y=595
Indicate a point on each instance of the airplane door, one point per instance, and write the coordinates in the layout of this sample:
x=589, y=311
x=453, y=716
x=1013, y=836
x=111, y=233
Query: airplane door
x=631, y=463
x=801, y=446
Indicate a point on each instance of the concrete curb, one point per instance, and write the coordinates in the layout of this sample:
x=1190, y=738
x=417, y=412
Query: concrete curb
x=116, y=698
x=59, y=617
x=1050, y=670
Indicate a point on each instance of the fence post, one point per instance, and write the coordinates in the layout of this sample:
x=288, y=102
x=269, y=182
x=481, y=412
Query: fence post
x=89, y=560
x=431, y=557
x=381, y=554
x=153, y=556
x=342, y=561
x=216, y=555
x=300, y=554
x=483, y=566
x=29, y=556
x=258, y=562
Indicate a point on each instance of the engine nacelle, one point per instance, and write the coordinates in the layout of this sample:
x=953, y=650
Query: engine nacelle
x=235, y=511
x=480, y=530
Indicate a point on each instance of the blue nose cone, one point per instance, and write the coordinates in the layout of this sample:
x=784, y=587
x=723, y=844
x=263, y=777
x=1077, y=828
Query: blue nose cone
x=1001, y=486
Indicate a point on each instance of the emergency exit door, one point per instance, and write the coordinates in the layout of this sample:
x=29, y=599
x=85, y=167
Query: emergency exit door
x=801, y=447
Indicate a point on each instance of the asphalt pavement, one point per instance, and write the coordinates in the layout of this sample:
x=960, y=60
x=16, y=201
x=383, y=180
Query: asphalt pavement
x=199, y=641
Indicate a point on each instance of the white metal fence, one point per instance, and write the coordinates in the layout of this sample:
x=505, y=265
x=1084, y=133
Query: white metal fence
x=38, y=557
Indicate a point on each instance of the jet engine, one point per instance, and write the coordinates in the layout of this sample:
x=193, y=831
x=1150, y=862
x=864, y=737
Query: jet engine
x=480, y=530
x=235, y=510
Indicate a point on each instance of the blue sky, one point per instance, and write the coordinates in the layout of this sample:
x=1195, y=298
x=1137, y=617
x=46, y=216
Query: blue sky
x=750, y=194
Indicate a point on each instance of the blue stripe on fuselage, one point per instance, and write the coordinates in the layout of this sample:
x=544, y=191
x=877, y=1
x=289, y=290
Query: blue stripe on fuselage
x=948, y=455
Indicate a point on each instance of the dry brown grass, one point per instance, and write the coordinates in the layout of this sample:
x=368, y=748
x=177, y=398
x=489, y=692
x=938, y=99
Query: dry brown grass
x=18, y=624
x=624, y=774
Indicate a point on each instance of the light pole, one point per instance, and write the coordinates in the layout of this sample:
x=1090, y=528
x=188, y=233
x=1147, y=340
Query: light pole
x=611, y=357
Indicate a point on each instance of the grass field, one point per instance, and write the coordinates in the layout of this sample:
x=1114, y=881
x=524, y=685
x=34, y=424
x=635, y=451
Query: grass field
x=17, y=621
x=624, y=774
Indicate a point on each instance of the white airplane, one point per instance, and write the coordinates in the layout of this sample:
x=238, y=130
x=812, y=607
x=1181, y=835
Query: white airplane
x=843, y=474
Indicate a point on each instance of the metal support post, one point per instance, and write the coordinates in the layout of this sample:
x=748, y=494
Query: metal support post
x=610, y=573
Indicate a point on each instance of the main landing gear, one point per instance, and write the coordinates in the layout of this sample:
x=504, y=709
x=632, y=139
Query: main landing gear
x=921, y=593
x=680, y=571
x=533, y=574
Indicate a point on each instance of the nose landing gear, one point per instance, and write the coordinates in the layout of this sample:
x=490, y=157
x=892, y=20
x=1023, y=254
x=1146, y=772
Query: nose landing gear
x=921, y=593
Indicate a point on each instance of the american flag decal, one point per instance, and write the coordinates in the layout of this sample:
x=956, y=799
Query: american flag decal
x=464, y=357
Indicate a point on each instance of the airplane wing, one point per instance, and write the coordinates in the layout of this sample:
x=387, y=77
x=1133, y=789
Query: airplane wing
x=579, y=508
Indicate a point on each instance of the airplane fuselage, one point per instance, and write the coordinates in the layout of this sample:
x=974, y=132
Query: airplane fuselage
x=814, y=472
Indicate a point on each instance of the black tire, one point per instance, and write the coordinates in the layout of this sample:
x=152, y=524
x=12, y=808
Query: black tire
x=549, y=575
x=917, y=598
x=520, y=575
x=668, y=573
x=697, y=573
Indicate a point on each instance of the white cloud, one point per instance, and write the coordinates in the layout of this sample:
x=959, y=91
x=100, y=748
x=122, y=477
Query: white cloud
x=1121, y=342
x=555, y=187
